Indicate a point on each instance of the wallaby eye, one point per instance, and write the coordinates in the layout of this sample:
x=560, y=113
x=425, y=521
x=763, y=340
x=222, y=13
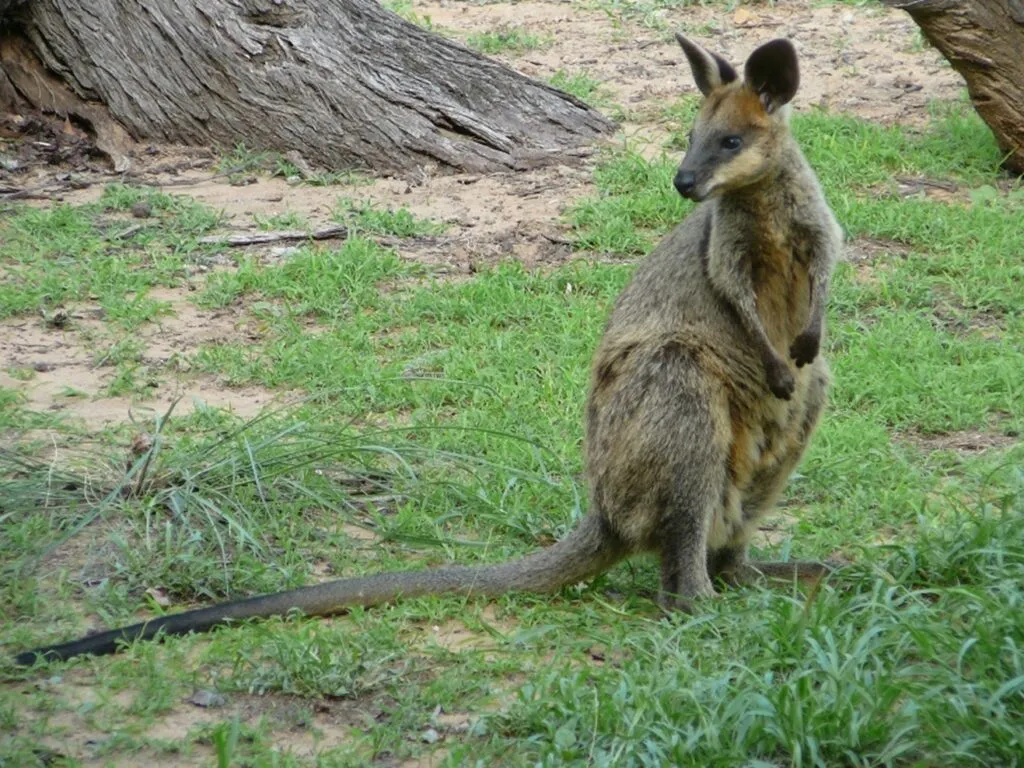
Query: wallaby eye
x=731, y=143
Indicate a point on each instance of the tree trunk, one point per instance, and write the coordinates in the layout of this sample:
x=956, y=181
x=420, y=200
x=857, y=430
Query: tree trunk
x=984, y=41
x=343, y=82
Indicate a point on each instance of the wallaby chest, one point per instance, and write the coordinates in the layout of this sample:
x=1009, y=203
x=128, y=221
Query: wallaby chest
x=782, y=286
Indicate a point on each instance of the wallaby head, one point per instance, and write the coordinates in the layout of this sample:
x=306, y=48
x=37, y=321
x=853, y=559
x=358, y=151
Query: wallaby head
x=742, y=124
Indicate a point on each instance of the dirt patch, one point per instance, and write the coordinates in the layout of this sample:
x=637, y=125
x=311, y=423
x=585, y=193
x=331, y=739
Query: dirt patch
x=775, y=530
x=936, y=190
x=435, y=758
x=456, y=636
x=949, y=314
x=990, y=326
x=486, y=218
x=966, y=442
x=299, y=727
x=67, y=370
x=359, y=533
x=869, y=249
x=867, y=61
x=869, y=256
x=930, y=189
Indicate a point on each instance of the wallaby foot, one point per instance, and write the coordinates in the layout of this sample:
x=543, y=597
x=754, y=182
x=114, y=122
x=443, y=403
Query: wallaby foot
x=684, y=577
x=780, y=379
x=767, y=572
x=805, y=347
x=684, y=567
x=671, y=603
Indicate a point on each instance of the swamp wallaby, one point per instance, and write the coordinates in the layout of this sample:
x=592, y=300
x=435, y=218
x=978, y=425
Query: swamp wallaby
x=695, y=416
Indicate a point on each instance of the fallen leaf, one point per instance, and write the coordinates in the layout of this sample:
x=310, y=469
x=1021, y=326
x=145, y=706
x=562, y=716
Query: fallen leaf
x=743, y=16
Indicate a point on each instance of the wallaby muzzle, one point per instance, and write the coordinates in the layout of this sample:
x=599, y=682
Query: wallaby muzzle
x=685, y=183
x=695, y=170
x=692, y=178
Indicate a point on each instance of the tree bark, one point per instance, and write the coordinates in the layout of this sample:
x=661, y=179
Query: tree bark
x=343, y=82
x=984, y=41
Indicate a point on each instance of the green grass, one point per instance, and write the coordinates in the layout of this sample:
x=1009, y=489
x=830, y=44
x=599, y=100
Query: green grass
x=289, y=220
x=241, y=161
x=404, y=8
x=648, y=13
x=366, y=217
x=852, y=158
x=317, y=281
x=64, y=254
x=579, y=84
x=925, y=669
x=506, y=39
x=444, y=423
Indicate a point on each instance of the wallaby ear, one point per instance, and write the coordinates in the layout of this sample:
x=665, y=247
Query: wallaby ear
x=773, y=73
x=709, y=69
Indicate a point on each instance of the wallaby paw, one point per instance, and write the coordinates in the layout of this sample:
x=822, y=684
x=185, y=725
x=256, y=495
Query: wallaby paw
x=805, y=348
x=780, y=379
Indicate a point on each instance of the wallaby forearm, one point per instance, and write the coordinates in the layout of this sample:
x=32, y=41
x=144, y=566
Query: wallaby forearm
x=729, y=274
x=807, y=344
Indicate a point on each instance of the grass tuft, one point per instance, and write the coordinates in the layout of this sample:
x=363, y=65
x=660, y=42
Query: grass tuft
x=506, y=39
x=366, y=217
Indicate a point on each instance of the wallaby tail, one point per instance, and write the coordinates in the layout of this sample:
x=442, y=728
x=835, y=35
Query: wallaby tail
x=587, y=551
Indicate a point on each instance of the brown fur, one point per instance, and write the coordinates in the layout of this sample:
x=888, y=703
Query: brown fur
x=686, y=444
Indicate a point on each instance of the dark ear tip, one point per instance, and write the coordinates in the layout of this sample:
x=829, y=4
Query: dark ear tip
x=780, y=47
x=780, y=43
x=773, y=68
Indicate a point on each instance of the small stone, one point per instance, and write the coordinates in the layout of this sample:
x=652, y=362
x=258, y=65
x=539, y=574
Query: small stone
x=207, y=699
x=142, y=210
x=59, y=318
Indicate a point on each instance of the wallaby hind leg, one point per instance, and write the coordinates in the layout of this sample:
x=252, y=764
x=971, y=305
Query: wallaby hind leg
x=696, y=499
x=684, y=566
x=657, y=450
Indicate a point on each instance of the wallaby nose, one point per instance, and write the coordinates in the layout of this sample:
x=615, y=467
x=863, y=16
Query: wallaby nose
x=684, y=182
